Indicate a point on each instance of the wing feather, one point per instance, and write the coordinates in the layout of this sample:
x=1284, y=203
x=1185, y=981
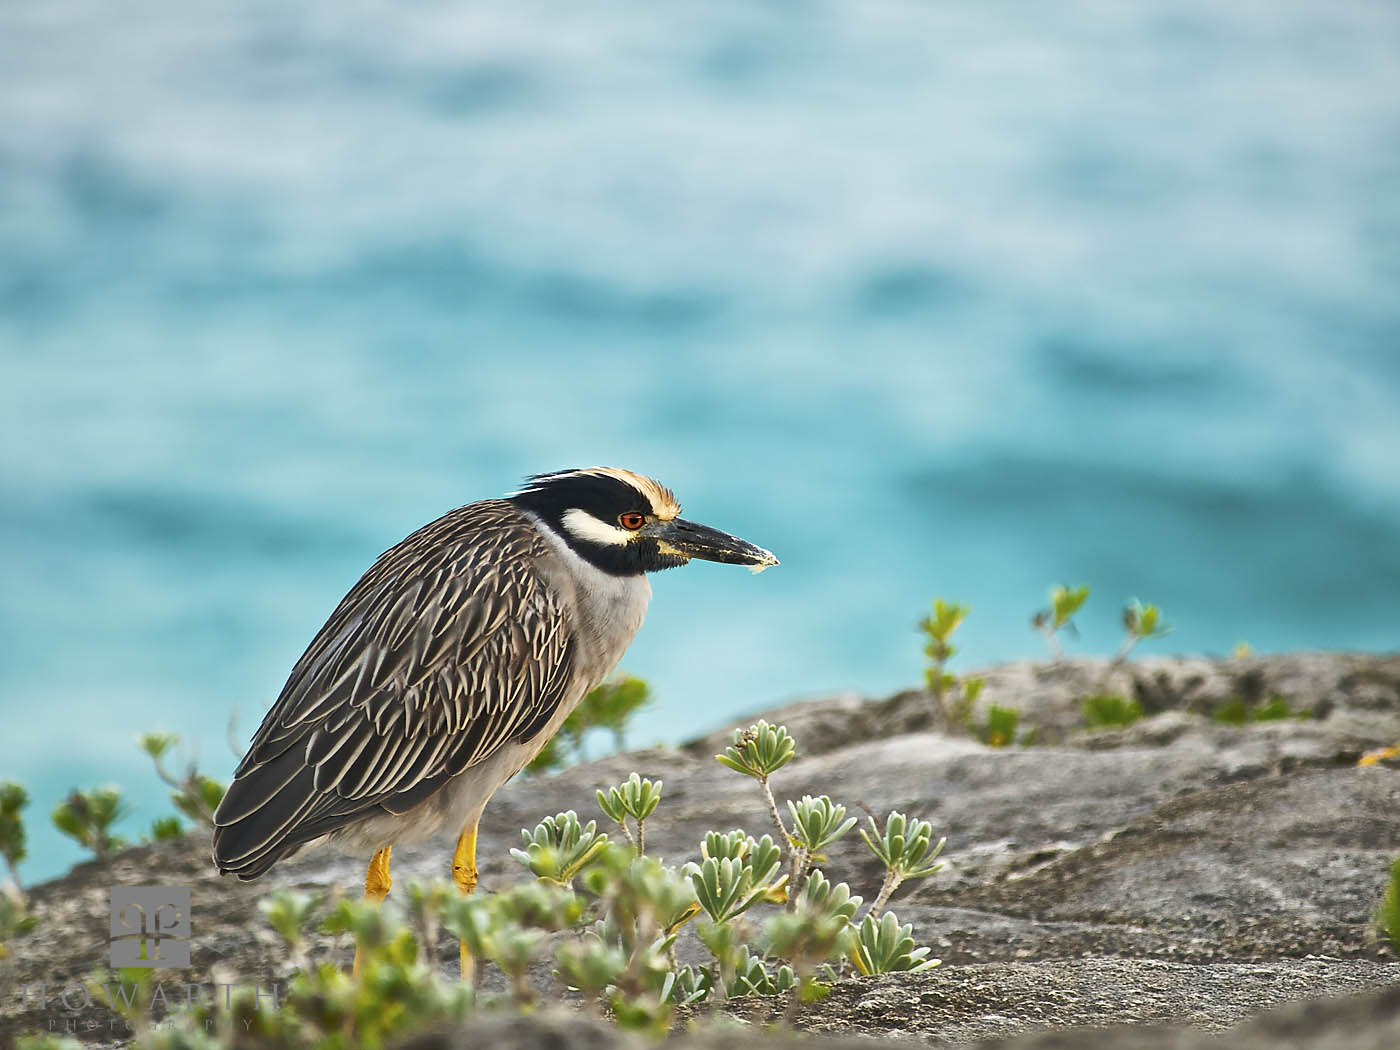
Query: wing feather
x=449, y=647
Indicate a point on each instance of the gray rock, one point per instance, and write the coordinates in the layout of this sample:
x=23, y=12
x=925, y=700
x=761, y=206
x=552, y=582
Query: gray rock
x=1178, y=871
x=1062, y=1002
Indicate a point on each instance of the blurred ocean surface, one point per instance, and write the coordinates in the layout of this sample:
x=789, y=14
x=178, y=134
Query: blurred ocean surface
x=959, y=299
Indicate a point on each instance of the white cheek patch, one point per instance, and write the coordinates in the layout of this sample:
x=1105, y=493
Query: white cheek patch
x=586, y=527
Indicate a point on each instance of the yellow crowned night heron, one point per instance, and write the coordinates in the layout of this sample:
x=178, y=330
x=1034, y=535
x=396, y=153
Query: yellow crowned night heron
x=449, y=666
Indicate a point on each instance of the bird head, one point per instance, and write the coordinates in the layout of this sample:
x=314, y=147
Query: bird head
x=627, y=524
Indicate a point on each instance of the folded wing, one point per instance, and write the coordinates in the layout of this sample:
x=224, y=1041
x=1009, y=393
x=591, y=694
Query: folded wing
x=445, y=650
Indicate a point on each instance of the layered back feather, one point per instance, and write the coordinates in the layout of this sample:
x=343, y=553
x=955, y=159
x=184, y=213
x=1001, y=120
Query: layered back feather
x=448, y=648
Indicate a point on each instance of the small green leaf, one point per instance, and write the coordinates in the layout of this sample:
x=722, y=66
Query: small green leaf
x=634, y=797
x=818, y=822
x=211, y=792
x=1388, y=911
x=157, y=744
x=734, y=844
x=560, y=847
x=1000, y=730
x=590, y=964
x=164, y=829
x=759, y=751
x=823, y=899
x=807, y=938
x=905, y=847
x=1064, y=603
x=289, y=913
x=1109, y=710
x=764, y=858
x=1143, y=621
x=884, y=946
x=13, y=800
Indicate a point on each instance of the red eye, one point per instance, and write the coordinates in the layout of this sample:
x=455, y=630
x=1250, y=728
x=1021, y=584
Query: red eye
x=631, y=520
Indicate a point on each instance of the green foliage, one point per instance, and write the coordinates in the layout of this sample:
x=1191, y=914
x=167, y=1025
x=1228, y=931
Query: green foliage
x=1064, y=603
x=129, y=995
x=590, y=964
x=953, y=697
x=1388, y=911
x=539, y=906
x=1142, y=622
x=163, y=829
x=87, y=818
x=759, y=751
x=884, y=946
x=956, y=699
x=559, y=847
x=13, y=799
x=1274, y=709
x=687, y=985
x=1233, y=712
x=818, y=822
x=1110, y=711
x=396, y=993
x=754, y=975
x=290, y=913
x=761, y=857
x=195, y=795
x=727, y=887
x=642, y=903
x=1237, y=711
x=808, y=939
x=15, y=920
x=610, y=706
x=48, y=1042
x=946, y=618
x=720, y=845
x=905, y=847
x=1000, y=727
x=612, y=939
x=822, y=899
x=635, y=798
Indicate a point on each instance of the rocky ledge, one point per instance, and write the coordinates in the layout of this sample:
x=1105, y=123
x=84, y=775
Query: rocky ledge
x=1180, y=873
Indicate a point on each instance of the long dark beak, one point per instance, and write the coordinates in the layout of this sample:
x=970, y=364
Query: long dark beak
x=689, y=540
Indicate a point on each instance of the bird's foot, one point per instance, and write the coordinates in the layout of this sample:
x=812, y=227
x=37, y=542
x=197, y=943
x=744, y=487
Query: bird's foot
x=377, y=880
x=464, y=862
x=464, y=876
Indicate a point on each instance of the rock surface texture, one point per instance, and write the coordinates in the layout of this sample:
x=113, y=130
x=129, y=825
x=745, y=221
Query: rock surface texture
x=1179, y=873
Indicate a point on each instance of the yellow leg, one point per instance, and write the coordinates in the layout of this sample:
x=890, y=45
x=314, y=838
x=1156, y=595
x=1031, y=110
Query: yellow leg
x=464, y=875
x=377, y=883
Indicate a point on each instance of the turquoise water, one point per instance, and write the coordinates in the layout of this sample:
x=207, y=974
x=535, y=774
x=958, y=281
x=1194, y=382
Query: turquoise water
x=959, y=299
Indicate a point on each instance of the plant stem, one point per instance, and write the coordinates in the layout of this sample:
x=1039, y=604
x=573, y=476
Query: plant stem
x=784, y=840
x=939, y=685
x=641, y=838
x=801, y=859
x=891, y=883
x=521, y=989
x=1129, y=643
